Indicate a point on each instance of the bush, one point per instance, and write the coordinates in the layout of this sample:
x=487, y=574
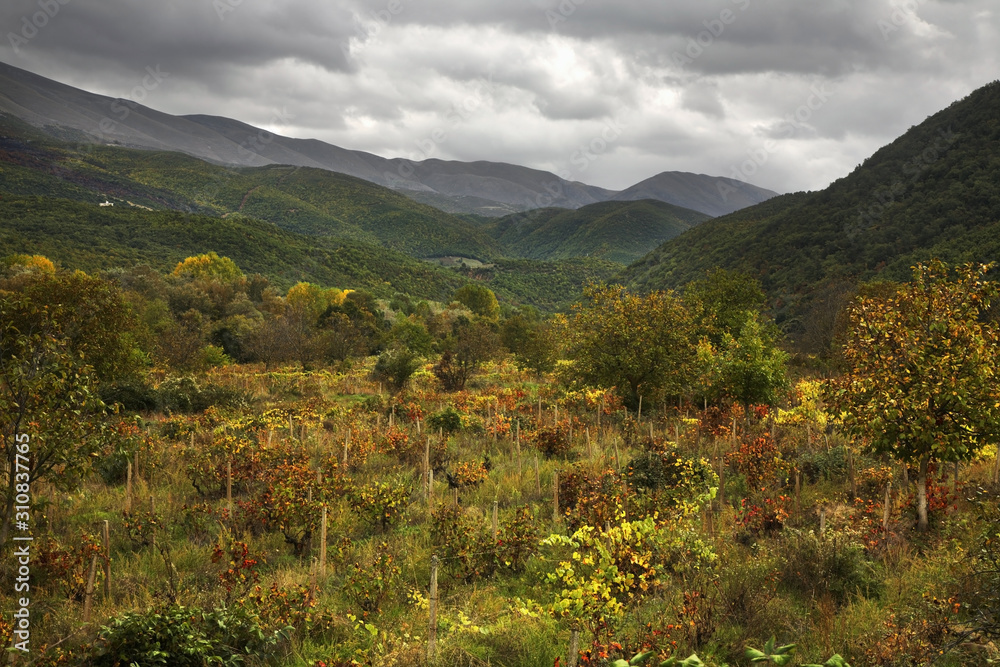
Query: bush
x=395, y=367
x=133, y=397
x=553, y=442
x=449, y=420
x=187, y=637
x=813, y=565
x=185, y=395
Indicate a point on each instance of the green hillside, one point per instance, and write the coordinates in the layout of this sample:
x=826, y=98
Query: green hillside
x=613, y=231
x=85, y=236
x=298, y=199
x=935, y=191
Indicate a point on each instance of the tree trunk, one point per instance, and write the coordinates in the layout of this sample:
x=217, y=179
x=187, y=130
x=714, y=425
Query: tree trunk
x=922, y=496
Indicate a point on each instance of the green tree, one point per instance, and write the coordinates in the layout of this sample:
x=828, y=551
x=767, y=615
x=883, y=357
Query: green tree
x=480, y=300
x=533, y=343
x=46, y=400
x=750, y=368
x=640, y=345
x=464, y=351
x=720, y=301
x=922, y=377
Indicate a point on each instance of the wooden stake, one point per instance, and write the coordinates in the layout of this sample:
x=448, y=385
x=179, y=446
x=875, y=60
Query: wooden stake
x=322, y=546
x=347, y=442
x=135, y=464
x=618, y=461
x=885, y=510
x=996, y=466
x=822, y=521
x=574, y=648
x=555, y=496
x=432, y=603
x=229, y=488
x=538, y=480
x=128, y=488
x=496, y=525
x=106, y=535
x=798, y=486
x=639, y=414
x=88, y=599
x=590, y=446
x=430, y=486
x=954, y=482
x=291, y=427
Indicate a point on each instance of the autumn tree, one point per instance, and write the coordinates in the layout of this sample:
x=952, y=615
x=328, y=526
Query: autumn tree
x=209, y=266
x=640, y=345
x=531, y=341
x=921, y=382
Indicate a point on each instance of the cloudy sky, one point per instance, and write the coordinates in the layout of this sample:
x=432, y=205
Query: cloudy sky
x=786, y=94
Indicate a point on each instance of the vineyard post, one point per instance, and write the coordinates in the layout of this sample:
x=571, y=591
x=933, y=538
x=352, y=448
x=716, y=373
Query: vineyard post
x=322, y=546
x=106, y=535
x=427, y=467
x=229, y=488
x=128, y=488
x=822, y=521
x=538, y=480
x=430, y=486
x=496, y=526
x=555, y=496
x=590, y=446
x=88, y=599
x=135, y=464
x=954, y=481
x=574, y=647
x=996, y=466
x=638, y=416
x=885, y=510
x=432, y=602
x=291, y=427
x=347, y=443
x=798, y=487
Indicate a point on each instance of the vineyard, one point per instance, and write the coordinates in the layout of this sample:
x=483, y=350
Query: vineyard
x=201, y=471
x=299, y=520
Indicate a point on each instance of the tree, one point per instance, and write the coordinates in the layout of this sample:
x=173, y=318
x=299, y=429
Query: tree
x=749, y=367
x=46, y=399
x=533, y=343
x=720, y=301
x=464, y=351
x=209, y=267
x=640, y=345
x=93, y=317
x=921, y=383
x=480, y=300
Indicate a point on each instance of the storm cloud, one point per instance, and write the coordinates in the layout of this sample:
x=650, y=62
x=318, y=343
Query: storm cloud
x=787, y=95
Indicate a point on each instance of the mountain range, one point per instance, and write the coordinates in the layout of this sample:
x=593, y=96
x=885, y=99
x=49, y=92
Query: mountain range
x=484, y=188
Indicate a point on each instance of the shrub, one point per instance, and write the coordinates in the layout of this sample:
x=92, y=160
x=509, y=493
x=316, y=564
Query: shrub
x=187, y=637
x=371, y=584
x=553, y=442
x=395, y=367
x=449, y=419
x=813, y=565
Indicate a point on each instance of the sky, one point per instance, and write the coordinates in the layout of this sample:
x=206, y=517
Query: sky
x=785, y=94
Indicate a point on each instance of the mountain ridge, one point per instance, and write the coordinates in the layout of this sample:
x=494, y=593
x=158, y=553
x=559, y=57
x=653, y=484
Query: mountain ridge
x=481, y=187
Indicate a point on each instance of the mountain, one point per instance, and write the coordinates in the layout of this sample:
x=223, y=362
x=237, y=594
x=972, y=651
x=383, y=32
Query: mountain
x=614, y=231
x=299, y=199
x=484, y=188
x=709, y=194
x=933, y=192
